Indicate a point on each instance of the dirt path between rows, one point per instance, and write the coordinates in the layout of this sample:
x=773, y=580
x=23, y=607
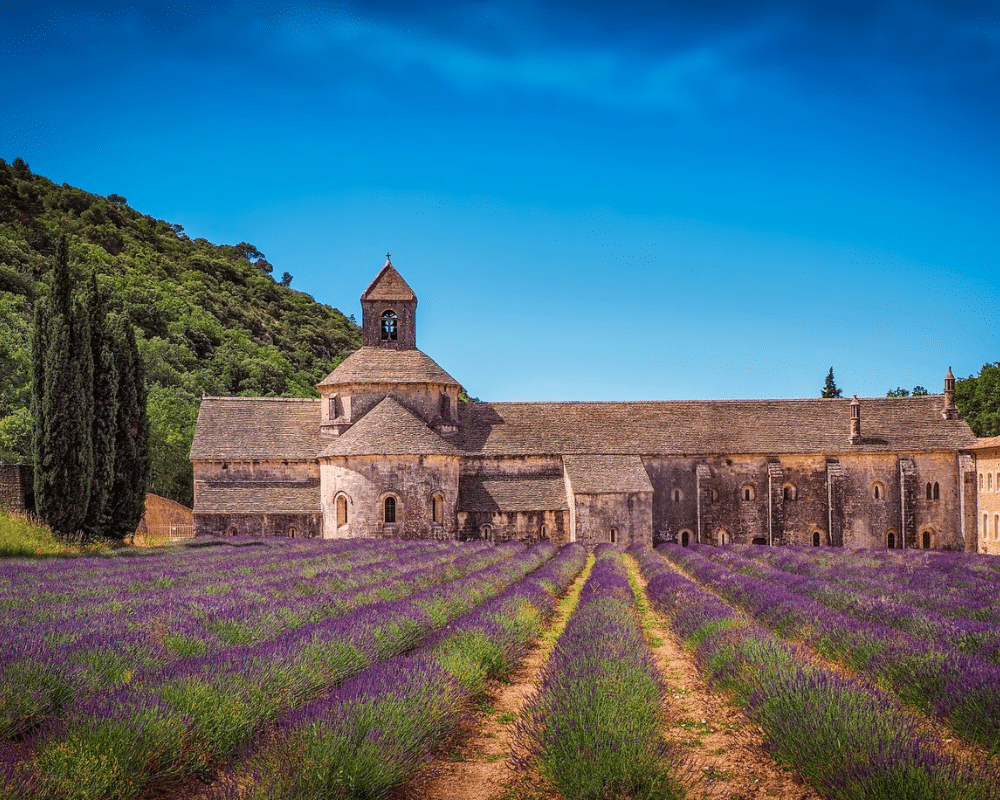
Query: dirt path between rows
x=724, y=749
x=474, y=765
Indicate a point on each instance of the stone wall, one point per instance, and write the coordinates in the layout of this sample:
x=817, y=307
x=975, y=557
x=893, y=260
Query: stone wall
x=297, y=526
x=988, y=483
x=17, y=491
x=810, y=499
x=628, y=515
x=366, y=481
x=504, y=526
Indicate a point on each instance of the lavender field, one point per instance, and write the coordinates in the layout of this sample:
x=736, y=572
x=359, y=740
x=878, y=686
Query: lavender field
x=254, y=669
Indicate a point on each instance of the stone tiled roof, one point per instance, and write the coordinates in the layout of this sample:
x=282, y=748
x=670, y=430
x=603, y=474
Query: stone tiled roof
x=606, y=474
x=386, y=365
x=389, y=429
x=256, y=429
x=986, y=443
x=245, y=498
x=477, y=493
x=708, y=427
x=388, y=285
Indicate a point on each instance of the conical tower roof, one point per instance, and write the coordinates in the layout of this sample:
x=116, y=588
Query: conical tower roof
x=389, y=429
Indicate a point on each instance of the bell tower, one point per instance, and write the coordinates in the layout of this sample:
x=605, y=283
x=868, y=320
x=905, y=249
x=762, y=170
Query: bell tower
x=389, y=311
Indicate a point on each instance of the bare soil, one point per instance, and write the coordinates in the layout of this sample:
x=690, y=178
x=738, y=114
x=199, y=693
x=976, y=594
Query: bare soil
x=725, y=754
x=474, y=764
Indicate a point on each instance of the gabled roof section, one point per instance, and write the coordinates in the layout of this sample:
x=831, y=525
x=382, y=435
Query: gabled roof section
x=709, y=427
x=506, y=493
x=986, y=443
x=221, y=498
x=606, y=474
x=256, y=429
x=389, y=429
x=388, y=285
x=382, y=365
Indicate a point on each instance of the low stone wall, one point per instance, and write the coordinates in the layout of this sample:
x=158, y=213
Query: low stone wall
x=16, y=487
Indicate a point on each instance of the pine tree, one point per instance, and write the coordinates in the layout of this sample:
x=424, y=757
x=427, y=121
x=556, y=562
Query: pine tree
x=105, y=409
x=127, y=498
x=63, y=405
x=830, y=387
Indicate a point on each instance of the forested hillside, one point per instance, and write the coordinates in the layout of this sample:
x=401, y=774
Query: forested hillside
x=209, y=318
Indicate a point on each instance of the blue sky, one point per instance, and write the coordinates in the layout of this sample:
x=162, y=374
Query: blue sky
x=592, y=200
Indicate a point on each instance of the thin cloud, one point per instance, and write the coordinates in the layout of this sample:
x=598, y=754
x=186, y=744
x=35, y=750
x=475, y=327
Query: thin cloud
x=679, y=81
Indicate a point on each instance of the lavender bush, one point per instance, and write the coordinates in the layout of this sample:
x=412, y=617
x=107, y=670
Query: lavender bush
x=594, y=725
x=381, y=725
x=849, y=741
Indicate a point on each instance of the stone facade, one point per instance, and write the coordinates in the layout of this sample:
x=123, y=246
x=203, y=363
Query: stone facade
x=17, y=492
x=388, y=450
x=988, y=488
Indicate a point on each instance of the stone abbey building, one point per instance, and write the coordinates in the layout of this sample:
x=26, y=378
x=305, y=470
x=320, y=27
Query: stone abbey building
x=389, y=451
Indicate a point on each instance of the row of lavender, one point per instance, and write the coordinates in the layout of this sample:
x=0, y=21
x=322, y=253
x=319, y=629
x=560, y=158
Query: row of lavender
x=194, y=586
x=379, y=727
x=960, y=586
x=51, y=663
x=955, y=687
x=594, y=727
x=875, y=598
x=188, y=716
x=847, y=740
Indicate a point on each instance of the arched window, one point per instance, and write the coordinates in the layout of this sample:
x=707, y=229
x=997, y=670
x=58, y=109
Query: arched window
x=232, y=530
x=890, y=540
x=930, y=491
x=291, y=532
x=486, y=531
x=937, y=490
x=713, y=495
x=678, y=495
x=989, y=480
x=980, y=481
x=878, y=490
x=926, y=540
x=985, y=522
x=685, y=538
x=437, y=509
x=389, y=517
x=790, y=492
x=341, y=510
x=748, y=492
x=389, y=325
x=613, y=535
x=543, y=532
x=996, y=526
x=815, y=538
x=723, y=537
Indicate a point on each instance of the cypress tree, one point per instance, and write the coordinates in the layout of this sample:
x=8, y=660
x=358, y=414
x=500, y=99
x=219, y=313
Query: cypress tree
x=105, y=409
x=127, y=498
x=830, y=386
x=63, y=404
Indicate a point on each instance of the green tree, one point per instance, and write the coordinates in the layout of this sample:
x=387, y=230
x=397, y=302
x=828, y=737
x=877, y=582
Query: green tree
x=830, y=387
x=899, y=391
x=920, y=391
x=63, y=404
x=978, y=398
x=15, y=380
x=105, y=409
x=127, y=498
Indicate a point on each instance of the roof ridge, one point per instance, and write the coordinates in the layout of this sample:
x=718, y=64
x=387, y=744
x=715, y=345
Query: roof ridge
x=270, y=399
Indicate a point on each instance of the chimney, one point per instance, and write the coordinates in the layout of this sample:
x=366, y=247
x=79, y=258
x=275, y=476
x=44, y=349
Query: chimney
x=855, y=421
x=950, y=410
